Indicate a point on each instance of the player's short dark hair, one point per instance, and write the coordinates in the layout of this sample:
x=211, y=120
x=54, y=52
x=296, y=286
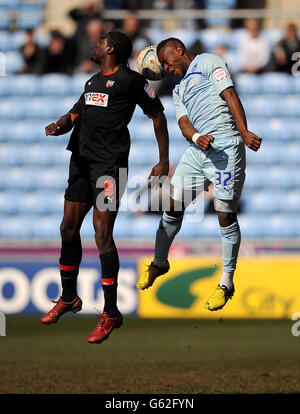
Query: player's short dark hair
x=122, y=45
x=174, y=40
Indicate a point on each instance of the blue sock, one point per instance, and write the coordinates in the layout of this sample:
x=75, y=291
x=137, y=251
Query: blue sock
x=169, y=226
x=231, y=239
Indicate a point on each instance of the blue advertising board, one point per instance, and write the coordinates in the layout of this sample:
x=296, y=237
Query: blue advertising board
x=29, y=286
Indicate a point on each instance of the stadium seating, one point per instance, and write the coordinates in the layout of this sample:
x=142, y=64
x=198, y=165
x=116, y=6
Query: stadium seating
x=29, y=13
x=219, y=5
x=34, y=168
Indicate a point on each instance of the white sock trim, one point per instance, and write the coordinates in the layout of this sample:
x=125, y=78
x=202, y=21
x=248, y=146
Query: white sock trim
x=227, y=279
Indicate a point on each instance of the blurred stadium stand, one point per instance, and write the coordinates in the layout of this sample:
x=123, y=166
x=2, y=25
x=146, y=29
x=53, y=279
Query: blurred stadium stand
x=34, y=168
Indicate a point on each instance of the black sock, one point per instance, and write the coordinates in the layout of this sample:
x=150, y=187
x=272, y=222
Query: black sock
x=71, y=254
x=110, y=266
x=69, y=283
x=110, y=299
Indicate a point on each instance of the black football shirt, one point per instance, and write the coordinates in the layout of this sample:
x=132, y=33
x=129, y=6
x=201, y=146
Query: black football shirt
x=104, y=110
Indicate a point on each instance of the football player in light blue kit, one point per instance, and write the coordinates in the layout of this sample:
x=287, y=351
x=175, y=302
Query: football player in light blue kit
x=211, y=117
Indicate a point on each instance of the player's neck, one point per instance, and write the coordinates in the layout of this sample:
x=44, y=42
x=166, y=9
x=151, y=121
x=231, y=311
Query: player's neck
x=188, y=59
x=108, y=67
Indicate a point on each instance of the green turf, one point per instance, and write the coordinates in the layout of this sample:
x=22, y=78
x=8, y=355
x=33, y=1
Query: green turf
x=150, y=356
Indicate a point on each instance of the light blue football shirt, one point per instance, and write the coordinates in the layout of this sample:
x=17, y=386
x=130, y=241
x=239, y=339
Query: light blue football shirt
x=198, y=97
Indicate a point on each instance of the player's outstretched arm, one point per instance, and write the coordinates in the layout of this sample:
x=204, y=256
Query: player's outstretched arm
x=62, y=126
x=191, y=134
x=162, y=137
x=236, y=108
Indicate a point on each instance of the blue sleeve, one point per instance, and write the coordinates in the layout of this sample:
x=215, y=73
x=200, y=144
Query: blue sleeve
x=179, y=106
x=215, y=68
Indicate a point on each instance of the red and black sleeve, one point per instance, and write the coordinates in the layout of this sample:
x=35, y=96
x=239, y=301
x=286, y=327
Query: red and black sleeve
x=145, y=96
x=78, y=106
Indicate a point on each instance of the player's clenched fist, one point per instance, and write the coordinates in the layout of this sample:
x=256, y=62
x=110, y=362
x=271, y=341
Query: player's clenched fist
x=204, y=141
x=52, y=129
x=251, y=140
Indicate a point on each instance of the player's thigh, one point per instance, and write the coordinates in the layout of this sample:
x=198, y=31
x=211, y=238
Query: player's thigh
x=225, y=168
x=188, y=180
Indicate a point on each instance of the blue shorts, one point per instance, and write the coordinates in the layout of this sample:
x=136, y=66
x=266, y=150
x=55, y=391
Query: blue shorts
x=223, y=165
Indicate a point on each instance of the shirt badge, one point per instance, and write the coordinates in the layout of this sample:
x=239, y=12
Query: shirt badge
x=150, y=91
x=109, y=83
x=219, y=73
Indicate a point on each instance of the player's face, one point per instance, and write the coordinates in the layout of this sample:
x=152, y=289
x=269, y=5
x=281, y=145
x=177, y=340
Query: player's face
x=172, y=60
x=99, y=51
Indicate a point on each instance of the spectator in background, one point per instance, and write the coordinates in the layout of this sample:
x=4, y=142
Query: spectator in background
x=175, y=22
x=55, y=57
x=82, y=16
x=285, y=48
x=31, y=53
x=196, y=48
x=230, y=58
x=115, y=4
x=85, y=45
x=254, y=51
x=132, y=28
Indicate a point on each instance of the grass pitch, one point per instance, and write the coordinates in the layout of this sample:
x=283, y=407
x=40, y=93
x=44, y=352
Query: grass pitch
x=150, y=356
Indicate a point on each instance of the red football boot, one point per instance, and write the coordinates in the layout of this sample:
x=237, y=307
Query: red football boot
x=60, y=308
x=104, y=327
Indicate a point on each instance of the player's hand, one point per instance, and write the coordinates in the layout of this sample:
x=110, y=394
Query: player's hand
x=52, y=129
x=251, y=140
x=204, y=142
x=159, y=170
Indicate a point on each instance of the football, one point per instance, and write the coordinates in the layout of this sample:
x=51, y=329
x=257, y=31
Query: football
x=148, y=64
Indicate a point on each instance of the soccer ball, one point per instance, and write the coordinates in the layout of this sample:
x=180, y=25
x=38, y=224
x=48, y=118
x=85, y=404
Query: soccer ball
x=148, y=64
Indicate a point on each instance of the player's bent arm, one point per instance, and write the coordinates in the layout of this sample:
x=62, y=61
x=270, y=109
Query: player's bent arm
x=162, y=137
x=192, y=135
x=62, y=126
x=236, y=108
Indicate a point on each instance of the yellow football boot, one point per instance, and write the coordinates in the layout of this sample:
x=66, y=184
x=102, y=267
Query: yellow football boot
x=148, y=277
x=219, y=298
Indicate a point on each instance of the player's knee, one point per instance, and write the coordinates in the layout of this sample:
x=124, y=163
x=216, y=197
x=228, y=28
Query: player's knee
x=176, y=208
x=104, y=239
x=68, y=231
x=175, y=214
x=226, y=219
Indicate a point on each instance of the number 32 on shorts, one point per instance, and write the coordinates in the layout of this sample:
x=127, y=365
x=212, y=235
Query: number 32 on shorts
x=222, y=177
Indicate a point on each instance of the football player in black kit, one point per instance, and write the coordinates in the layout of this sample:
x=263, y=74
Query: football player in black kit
x=100, y=145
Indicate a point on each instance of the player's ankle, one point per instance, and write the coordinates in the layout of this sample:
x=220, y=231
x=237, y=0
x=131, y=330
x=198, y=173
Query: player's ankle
x=227, y=279
x=68, y=298
x=111, y=311
x=160, y=263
